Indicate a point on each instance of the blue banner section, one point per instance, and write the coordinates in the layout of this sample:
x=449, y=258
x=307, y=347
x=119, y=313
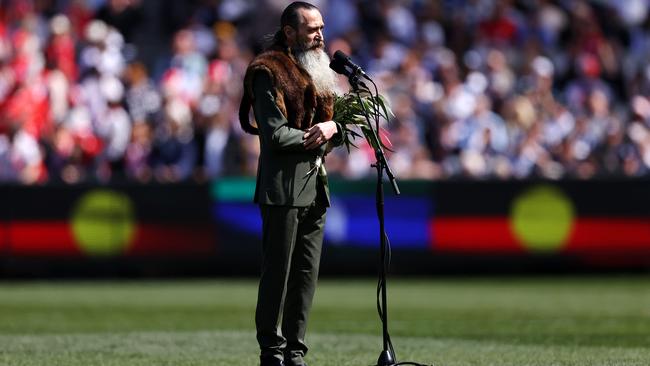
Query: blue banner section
x=351, y=221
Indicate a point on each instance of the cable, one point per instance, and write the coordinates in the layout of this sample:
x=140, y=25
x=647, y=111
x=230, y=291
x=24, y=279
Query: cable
x=388, y=249
x=377, y=106
x=386, y=264
x=384, y=237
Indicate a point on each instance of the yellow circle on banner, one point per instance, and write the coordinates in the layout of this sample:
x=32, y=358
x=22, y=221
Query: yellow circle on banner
x=103, y=222
x=542, y=218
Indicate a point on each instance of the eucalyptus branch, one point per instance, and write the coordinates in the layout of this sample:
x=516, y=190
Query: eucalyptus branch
x=348, y=111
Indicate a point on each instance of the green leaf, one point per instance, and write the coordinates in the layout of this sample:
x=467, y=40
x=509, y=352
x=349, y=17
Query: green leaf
x=349, y=112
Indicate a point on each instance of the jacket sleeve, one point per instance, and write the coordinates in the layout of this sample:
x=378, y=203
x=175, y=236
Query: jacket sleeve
x=272, y=124
x=337, y=139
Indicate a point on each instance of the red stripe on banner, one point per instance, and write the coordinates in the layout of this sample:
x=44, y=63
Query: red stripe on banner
x=474, y=234
x=610, y=234
x=38, y=238
x=588, y=235
x=41, y=238
x=4, y=238
x=175, y=239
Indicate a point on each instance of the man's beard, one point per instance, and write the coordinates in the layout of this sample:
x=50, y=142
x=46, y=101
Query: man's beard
x=317, y=64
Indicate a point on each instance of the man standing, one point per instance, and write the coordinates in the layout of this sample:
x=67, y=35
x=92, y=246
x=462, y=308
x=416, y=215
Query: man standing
x=291, y=89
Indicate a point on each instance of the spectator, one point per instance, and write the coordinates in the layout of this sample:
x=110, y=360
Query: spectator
x=486, y=89
x=124, y=15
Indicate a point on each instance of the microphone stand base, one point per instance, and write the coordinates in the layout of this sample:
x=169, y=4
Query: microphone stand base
x=385, y=359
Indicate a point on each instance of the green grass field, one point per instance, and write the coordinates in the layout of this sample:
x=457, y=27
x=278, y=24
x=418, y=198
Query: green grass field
x=509, y=321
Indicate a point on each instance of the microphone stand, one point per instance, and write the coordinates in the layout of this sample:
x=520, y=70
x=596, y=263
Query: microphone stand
x=387, y=355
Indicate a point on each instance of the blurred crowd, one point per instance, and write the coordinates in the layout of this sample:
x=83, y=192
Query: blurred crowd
x=148, y=90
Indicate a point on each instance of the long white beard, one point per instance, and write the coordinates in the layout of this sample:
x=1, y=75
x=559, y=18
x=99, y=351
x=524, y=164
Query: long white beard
x=317, y=64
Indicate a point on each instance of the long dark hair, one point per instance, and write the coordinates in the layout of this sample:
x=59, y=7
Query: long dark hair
x=291, y=17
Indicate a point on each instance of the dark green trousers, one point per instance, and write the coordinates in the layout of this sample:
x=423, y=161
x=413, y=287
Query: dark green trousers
x=292, y=240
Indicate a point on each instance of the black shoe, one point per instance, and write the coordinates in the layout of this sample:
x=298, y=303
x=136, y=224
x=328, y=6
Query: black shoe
x=271, y=361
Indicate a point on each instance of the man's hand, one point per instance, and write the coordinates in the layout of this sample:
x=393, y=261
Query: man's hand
x=319, y=134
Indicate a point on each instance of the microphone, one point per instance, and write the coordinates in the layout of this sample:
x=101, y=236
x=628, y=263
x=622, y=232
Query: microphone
x=339, y=67
x=341, y=60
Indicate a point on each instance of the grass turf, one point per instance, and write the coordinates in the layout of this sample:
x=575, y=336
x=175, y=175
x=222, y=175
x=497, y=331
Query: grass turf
x=511, y=321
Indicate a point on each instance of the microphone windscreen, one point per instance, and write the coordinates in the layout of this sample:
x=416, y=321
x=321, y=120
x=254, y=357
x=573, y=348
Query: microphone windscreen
x=338, y=66
x=340, y=56
x=338, y=63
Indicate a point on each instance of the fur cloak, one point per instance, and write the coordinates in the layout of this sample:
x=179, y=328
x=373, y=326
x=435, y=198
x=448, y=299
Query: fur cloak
x=294, y=90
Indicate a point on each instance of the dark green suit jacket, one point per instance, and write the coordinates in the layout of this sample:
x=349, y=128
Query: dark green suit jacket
x=286, y=174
